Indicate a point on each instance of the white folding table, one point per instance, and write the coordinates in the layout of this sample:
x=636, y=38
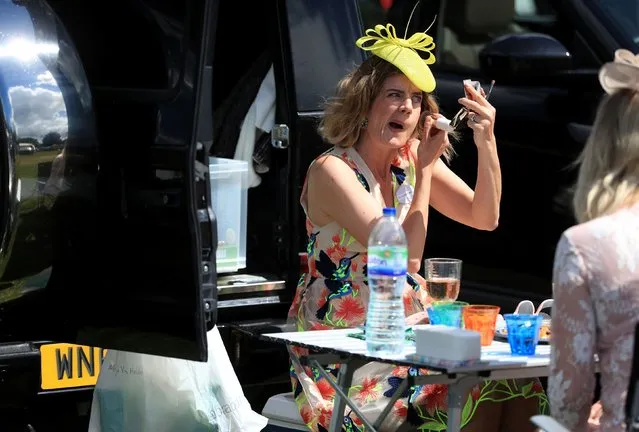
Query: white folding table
x=335, y=346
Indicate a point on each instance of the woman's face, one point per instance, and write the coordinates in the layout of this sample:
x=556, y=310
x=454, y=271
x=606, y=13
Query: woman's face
x=395, y=112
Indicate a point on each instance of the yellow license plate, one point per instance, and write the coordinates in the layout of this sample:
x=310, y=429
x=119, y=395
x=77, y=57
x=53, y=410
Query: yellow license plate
x=66, y=366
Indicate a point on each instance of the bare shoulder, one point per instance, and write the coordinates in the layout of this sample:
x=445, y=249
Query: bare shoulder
x=329, y=169
x=335, y=194
x=325, y=164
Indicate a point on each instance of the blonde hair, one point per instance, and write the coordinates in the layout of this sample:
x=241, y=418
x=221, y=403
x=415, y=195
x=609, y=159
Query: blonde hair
x=345, y=114
x=609, y=163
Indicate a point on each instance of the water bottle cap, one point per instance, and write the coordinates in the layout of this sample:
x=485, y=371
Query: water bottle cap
x=390, y=211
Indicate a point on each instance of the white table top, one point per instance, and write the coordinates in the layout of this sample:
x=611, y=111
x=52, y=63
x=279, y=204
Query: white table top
x=495, y=356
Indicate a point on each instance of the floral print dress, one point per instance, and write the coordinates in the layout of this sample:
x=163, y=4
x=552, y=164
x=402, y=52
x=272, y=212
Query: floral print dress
x=596, y=308
x=333, y=293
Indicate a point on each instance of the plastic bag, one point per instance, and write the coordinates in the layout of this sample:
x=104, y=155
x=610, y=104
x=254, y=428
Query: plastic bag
x=145, y=393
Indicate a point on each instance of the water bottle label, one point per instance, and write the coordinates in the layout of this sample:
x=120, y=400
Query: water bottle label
x=387, y=260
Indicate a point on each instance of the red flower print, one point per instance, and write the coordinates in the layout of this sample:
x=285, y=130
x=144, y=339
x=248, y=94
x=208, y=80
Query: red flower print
x=369, y=391
x=325, y=389
x=433, y=396
x=400, y=372
x=325, y=415
x=537, y=388
x=350, y=309
x=408, y=302
x=299, y=351
x=307, y=414
x=336, y=252
x=404, y=152
x=475, y=392
x=356, y=420
x=400, y=408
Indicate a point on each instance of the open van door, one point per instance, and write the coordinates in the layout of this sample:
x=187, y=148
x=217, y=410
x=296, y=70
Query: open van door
x=106, y=228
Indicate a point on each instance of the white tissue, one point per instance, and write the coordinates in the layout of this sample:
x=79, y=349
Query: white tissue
x=443, y=123
x=448, y=344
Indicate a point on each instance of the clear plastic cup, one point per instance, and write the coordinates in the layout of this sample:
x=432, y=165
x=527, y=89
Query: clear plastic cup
x=443, y=278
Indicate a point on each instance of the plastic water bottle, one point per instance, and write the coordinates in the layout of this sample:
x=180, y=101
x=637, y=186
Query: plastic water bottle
x=386, y=267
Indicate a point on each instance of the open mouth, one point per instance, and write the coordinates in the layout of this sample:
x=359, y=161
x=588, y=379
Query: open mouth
x=396, y=126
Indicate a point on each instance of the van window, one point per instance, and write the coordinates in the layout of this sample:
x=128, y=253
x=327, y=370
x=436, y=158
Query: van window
x=323, y=50
x=464, y=27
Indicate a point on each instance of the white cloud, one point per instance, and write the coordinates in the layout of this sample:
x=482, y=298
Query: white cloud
x=45, y=78
x=38, y=111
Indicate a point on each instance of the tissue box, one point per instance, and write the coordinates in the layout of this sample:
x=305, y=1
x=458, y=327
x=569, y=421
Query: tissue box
x=447, y=346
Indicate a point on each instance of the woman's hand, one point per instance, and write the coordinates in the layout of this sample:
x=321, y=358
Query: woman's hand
x=417, y=318
x=595, y=415
x=481, y=116
x=433, y=143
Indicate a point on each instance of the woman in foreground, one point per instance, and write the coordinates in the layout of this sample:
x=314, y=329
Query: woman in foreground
x=596, y=271
x=387, y=153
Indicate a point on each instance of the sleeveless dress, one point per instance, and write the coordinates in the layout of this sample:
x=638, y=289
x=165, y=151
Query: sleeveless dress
x=333, y=293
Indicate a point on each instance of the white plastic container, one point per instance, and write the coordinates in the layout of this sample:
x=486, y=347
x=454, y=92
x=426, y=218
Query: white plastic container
x=229, y=188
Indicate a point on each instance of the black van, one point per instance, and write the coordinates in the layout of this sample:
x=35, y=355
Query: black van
x=107, y=237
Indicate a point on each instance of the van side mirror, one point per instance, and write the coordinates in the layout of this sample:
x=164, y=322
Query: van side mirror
x=524, y=58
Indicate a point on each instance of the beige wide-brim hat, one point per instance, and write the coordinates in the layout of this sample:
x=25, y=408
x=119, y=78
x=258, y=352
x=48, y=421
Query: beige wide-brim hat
x=622, y=73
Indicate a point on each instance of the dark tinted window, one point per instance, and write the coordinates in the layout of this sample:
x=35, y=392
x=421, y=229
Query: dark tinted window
x=464, y=27
x=622, y=16
x=322, y=35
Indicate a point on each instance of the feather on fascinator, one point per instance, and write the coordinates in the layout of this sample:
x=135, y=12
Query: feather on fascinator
x=402, y=53
x=622, y=73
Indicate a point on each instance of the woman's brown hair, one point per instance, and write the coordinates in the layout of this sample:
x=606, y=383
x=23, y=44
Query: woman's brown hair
x=345, y=113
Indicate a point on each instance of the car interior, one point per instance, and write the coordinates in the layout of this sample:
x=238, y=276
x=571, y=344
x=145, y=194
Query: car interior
x=246, y=106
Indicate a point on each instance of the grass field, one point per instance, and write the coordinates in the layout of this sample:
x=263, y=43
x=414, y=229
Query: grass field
x=27, y=164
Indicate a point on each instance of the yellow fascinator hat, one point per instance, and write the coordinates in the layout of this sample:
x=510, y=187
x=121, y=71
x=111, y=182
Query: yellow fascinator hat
x=402, y=53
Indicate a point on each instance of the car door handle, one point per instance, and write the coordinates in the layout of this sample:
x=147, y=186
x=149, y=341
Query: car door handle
x=579, y=132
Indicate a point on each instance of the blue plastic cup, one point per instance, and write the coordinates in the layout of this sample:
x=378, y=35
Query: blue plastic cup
x=523, y=333
x=448, y=313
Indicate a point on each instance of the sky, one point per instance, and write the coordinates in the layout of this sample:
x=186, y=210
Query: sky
x=29, y=92
x=38, y=107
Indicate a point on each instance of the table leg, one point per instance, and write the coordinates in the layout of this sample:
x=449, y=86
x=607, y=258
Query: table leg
x=344, y=380
x=456, y=393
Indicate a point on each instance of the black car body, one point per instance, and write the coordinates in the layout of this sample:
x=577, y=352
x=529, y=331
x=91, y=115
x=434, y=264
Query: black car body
x=108, y=238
